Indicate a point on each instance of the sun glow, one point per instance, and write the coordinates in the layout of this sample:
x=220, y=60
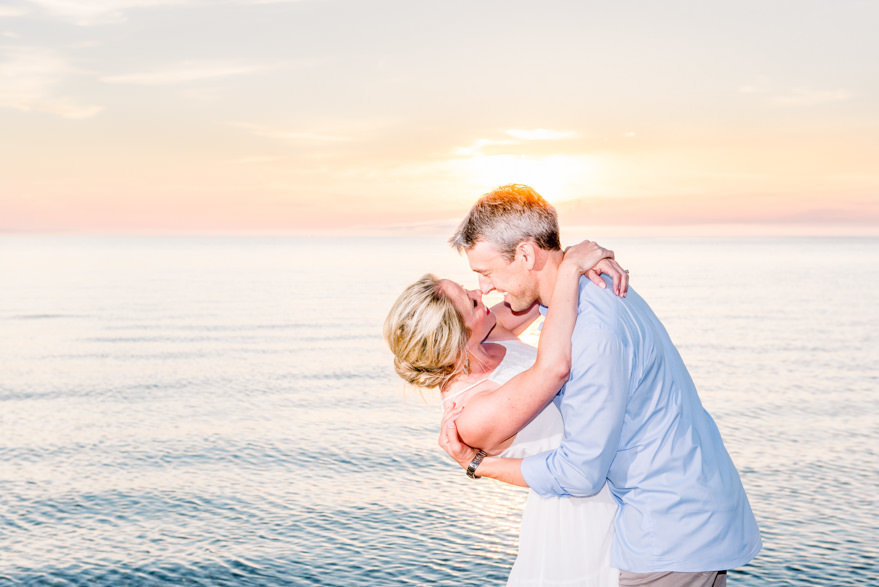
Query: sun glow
x=558, y=178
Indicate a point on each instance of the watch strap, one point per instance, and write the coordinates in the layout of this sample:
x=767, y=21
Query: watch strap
x=471, y=470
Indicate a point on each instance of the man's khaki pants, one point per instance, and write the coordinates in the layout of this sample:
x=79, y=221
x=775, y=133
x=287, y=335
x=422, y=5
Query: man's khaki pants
x=671, y=579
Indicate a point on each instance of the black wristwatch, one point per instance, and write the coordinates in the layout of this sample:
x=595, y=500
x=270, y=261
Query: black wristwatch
x=471, y=470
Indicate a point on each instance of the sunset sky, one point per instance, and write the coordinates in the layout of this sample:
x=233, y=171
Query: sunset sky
x=385, y=116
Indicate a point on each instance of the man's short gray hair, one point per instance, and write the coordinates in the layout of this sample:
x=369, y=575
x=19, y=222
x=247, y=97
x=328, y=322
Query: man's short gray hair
x=507, y=216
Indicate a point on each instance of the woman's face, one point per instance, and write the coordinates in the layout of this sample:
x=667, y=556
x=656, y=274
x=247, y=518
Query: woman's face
x=477, y=317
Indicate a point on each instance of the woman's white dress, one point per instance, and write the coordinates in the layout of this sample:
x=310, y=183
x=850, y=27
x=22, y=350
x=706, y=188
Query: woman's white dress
x=564, y=541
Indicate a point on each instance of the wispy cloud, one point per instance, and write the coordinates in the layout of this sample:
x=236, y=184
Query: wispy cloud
x=479, y=144
x=257, y=2
x=293, y=136
x=804, y=97
x=257, y=159
x=519, y=136
x=186, y=72
x=98, y=12
x=31, y=78
x=542, y=134
x=86, y=44
x=11, y=11
x=799, y=96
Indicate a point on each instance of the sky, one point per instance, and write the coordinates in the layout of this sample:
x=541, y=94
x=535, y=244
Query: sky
x=191, y=116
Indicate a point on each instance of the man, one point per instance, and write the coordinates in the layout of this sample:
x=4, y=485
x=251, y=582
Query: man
x=632, y=417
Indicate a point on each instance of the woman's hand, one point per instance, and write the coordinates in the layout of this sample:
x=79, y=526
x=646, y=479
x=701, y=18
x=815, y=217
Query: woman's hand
x=593, y=260
x=586, y=255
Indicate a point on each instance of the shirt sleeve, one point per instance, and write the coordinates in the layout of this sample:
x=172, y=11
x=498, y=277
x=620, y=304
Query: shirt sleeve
x=593, y=406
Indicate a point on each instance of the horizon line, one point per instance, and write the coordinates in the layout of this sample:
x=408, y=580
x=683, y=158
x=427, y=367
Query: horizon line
x=442, y=228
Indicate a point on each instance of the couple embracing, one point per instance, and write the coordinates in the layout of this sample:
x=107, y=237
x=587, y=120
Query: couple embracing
x=630, y=481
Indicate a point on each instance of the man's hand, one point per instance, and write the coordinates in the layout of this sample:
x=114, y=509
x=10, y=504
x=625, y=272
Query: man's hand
x=450, y=441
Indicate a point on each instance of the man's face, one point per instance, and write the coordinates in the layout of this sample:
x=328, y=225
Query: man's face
x=512, y=278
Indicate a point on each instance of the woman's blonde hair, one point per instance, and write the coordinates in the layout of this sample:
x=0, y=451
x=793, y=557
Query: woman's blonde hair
x=426, y=333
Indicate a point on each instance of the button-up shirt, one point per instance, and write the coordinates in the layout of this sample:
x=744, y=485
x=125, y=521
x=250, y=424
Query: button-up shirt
x=633, y=419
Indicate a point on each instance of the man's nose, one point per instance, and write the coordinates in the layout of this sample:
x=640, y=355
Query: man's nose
x=485, y=285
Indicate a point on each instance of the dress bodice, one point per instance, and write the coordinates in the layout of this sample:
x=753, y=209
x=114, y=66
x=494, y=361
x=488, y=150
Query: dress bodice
x=565, y=541
x=544, y=431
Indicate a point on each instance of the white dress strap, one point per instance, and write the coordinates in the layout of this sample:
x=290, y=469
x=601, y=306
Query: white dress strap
x=502, y=371
x=460, y=391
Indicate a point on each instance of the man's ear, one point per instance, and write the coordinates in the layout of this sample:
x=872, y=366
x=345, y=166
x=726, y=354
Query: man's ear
x=526, y=253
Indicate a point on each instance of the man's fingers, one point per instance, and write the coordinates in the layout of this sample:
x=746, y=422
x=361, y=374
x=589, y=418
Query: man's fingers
x=450, y=441
x=448, y=418
x=449, y=428
x=452, y=434
x=451, y=415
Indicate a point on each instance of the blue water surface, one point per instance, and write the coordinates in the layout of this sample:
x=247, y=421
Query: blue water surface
x=222, y=411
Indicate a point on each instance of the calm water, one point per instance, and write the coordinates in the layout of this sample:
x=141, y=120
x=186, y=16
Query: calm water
x=222, y=411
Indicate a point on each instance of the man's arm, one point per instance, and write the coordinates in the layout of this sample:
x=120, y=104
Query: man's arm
x=593, y=409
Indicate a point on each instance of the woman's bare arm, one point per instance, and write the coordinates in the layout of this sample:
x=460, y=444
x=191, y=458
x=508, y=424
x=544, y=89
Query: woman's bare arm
x=506, y=470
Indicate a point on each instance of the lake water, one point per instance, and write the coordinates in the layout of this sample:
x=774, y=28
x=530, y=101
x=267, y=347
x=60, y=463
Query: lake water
x=222, y=411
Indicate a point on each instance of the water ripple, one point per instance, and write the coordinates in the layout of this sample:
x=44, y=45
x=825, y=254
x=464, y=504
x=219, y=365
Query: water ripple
x=162, y=424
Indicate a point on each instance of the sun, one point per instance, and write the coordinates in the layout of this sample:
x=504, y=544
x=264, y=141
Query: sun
x=558, y=178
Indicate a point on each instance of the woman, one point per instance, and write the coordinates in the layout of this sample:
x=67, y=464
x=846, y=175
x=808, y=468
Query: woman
x=443, y=336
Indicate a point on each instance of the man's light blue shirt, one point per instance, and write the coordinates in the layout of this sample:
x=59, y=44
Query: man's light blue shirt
x=633, y=419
